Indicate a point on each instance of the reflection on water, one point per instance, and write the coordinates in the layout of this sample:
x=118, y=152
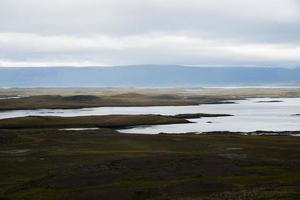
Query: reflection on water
x=249, y=115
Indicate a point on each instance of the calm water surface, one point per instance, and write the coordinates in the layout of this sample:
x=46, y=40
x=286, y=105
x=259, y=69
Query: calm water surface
x=249, y=115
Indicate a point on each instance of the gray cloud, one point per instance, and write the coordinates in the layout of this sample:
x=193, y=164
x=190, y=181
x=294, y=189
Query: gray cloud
x=193, y=32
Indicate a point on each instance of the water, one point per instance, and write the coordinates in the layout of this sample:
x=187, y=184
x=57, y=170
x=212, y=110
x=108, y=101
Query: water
x=15, y=97
x=249, y=115
x=77, y=129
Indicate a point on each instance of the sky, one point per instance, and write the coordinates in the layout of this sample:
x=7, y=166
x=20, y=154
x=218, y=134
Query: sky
x=131, y=32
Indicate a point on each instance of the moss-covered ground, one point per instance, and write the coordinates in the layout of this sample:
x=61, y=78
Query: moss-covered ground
x=103, y=164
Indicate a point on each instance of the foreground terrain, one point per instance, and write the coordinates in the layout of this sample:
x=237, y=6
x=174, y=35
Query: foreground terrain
x=103, y=164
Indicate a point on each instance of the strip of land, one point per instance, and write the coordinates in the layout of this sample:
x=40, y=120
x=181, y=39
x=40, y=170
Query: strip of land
x=71, y=98
x=88, y=101
x=104, y=121
x=243, y=92
x=200, y=115
x=107, y=121
x=271, y=101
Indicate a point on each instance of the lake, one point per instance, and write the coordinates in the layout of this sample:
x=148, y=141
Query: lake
x=249, y=115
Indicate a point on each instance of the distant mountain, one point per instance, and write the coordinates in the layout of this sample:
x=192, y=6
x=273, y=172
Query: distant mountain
x=147, y=76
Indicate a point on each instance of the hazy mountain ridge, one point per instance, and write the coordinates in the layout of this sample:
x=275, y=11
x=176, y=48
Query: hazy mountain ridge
x=147, y=76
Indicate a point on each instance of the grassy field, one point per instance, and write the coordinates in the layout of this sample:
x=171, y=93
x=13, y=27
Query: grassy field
x=102, y=164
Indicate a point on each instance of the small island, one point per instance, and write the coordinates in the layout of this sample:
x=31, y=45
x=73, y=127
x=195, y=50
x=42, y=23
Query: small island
x=271, y=101
x=199, y=115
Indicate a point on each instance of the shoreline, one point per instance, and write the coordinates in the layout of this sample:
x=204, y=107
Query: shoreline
x=229, y=133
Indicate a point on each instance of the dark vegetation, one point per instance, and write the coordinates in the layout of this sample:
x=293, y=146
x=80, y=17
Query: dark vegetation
x=7, y=137
x=81, y=98
x=200, y=115
x=108, y=121
x=272, y=101
x=85, y=101
x=103, y=164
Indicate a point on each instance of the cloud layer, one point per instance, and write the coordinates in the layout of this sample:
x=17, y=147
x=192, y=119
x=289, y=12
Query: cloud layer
x=122, y=32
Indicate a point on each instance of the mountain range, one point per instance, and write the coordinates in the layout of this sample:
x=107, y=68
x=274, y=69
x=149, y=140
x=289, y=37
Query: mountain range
x=148, y=76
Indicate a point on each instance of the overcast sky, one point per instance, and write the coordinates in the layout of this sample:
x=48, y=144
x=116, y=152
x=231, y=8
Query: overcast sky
x=124, y=32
